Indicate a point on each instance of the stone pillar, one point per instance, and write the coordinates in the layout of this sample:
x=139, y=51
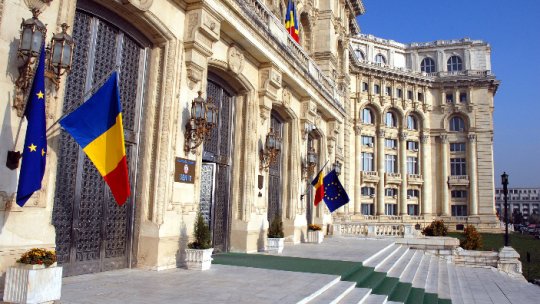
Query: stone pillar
x=445, y=205
x=473, y=181
x=358, y=170
x=403, y=169
x=427, y=207
x=380, y=168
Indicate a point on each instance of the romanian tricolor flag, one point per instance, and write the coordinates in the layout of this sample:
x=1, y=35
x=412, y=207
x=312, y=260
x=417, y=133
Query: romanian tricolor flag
x=97, y=127
x=319, y=188
x=291, y=22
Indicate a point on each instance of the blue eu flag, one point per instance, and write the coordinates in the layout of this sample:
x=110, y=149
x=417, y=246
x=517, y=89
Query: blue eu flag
x=35, y=142
x=334, y=194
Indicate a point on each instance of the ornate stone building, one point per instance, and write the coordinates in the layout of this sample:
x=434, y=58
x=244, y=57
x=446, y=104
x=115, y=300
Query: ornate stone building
x=315, y=96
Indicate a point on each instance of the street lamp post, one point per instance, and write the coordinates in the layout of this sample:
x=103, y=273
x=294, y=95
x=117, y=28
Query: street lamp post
x=504, y=181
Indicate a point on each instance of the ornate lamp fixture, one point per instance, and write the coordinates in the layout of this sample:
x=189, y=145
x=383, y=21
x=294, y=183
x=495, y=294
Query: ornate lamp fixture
x=337, y=167
x=308, y=167
x=60, y=55
x=204, y=114
x=269, y=155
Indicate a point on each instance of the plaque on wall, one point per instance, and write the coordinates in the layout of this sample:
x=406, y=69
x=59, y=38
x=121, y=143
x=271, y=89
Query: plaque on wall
x=184, y=171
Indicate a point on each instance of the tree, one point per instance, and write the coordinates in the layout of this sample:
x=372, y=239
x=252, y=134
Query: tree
x=534, y=218
x=473, y=239
x=201, y=234
x=517, y=217
x=436, y=228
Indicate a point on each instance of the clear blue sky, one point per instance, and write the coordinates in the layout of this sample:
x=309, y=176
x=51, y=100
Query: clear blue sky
x=512, y=28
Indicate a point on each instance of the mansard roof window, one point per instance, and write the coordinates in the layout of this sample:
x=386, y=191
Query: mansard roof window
x=454, y=64
x=380, y=60
x=427, y=65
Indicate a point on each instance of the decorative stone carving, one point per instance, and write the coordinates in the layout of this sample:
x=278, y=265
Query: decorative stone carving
x=403, y=135
x=444, y=138
x=270, y=80
x=141, y=5
x=381, y=133
x=471, y=137
x=286, y=98
x=357, y=130
x=40, y=5
x=424, y=138
x=236, y=59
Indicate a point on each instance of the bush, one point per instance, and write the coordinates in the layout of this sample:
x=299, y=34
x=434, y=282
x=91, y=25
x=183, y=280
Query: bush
x=436, y=228
x=314, y=227
x=473, y=239
x=276, y=228
x=201, y=234
x=38, y=256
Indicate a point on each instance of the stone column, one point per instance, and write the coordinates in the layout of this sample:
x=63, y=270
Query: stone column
x=358, y=170
x=473, y=181
x=427, y=208
x=380, y=168
x=403, y=169
x=445, y=210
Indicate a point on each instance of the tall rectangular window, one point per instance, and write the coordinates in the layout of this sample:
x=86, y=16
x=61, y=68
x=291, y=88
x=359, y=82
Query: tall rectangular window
x=412, y=165
x=376, y=89
x=391, y=192
x=409, y=94
x=367, y=141
x=420, y=96
x=368, y=191
x=458, y=166
x=457, y=147
x=411, y=193
x=389, y=91
x=463, y=97
x=449, y=97
x=412, y=209
x=390, y=163
x=367, y=209
x=459, y=210
x=412, y=145
x=390, y=209
x=365, y=86
x=390, y=143
x=399, y=93
x=459, y=193
x=367, y=161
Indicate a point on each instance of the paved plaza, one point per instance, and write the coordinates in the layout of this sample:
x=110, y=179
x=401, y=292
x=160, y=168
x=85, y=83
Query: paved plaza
x=235, y=284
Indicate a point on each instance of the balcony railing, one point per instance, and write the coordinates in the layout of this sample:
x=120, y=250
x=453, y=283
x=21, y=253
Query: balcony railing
x=458, y=180
x=370, y=176
x=392, y=178
x=415, y=179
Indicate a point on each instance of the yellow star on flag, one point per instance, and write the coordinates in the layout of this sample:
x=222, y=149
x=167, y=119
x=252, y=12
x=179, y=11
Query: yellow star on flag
x=32, y=148
x=40, y=95
x=42, y=152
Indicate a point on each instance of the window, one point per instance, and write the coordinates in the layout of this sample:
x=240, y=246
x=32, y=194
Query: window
x=413, y=193
x=390, y=119
x=459, y=193
x=463, y=97
x=390, y=163
x=427, y=65
x=411, y=123
x=449, y=97
x=399, y=93
x=367, y=161
x=390, y=209
x=390, y=192
x=412, y=209
x=388, y=91
x=367, y=209
x=390, y=143
x=457, y=147
x=367, y=116
x=454, y=64
x=368, y=191
x=365, y=86
x=420, y=96
x=458, y=166
x=412, y=145
x=412, y=165
x=367, y=141
x=376, y=89
x=359, y=54
x=379, y=59
x=409, y=94
x=457, y=124
x=459, y=210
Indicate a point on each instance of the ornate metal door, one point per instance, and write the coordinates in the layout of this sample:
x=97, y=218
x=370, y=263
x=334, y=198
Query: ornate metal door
x=274, y=174
x=93, y=233
x=217, y=150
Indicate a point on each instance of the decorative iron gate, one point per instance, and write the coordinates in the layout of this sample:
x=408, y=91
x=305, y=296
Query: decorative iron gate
x=274, y=174
x=217, y=150
x=93, y=233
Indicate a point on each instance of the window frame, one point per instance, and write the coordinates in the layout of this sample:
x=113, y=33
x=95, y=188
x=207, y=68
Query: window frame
x=458, y=166
x=454, y=64
x=390, y=119
x=456, y=124
x=365, y=113
x=428, y=65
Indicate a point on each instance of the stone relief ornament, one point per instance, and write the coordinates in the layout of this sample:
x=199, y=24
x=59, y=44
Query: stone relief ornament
x=286, y=98
x=40, y=5
x=142, y=5
x=236, y=59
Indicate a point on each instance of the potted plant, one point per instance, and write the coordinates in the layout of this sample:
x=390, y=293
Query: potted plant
x=314, y=234
x=34, y=279
x=199, y=252
x=275, y=236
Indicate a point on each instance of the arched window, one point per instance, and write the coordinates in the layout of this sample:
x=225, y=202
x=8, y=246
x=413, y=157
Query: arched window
x=412, y=124
x=454, y=64
x=390, y=119
x=360, y=54
x=457, y=124
x=367, y=116
x=379, y=59
x=427, y=65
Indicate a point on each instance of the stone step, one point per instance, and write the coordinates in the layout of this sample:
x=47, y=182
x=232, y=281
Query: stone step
x=401, y=264
x=401, y=292
x=443, y=286
x=453, y=285
x=392, y=260
x=334, y=294
x=320, y=290
x=377, y=258
x=432, y=280
x=356, y=296
x=421, y=274
x=409, y=272
x=375, y=299
x=416, y=296
x=464, y=285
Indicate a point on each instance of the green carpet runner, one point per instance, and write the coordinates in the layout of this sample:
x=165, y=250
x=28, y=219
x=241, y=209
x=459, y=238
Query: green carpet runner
x=365, y=277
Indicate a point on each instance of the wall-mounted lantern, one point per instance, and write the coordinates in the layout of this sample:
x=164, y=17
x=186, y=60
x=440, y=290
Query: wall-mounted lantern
x=270, y=154
x=60, y=56
x=204, y=115
x=308, y=167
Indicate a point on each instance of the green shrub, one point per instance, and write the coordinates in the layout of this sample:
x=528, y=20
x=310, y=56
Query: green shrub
x=473, y=239
x=436, y=228
x=201, y=234
x=276, y=228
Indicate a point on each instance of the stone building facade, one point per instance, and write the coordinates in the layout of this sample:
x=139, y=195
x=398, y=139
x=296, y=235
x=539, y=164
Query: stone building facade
x=239, y=56
x=524, y=200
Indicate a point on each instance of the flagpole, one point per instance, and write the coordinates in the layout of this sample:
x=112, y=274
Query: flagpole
x=96, y=85
x=307, y=188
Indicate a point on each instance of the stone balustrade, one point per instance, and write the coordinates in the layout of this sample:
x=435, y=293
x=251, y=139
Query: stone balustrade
x=415, y=179
x=370, y=176
x=392, y=178
x=458, y=180
x=374, y=229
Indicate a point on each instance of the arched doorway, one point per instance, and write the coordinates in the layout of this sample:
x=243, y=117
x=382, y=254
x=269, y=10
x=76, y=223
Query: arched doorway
x=274, y=173
x=93, y=233
x=217, y=163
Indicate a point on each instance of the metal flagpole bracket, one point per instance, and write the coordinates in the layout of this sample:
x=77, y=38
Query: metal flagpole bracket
x=13, y=158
